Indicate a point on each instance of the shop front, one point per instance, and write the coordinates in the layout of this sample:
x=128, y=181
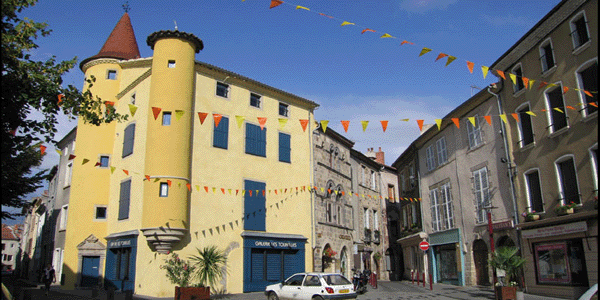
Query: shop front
x=561, y=255
x=120, y=260
x=271, y=258
x=447, y=260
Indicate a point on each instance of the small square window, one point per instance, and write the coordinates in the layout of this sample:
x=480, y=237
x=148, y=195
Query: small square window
x=283, y=109
x=101, y=213
x=222, y=89
x=164, y=189
x=171, y=64
x=166, y=120
x=255, y=100
x=112, y=75
x=104, y=160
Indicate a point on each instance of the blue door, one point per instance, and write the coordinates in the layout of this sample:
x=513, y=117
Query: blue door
x=90, y=271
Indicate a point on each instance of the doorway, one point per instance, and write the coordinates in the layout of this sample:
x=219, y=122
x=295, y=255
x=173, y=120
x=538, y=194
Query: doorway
x=480, y=257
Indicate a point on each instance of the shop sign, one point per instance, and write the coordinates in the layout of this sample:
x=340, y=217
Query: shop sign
x=503, y=225
x=276, y=244
x=345, y=237
x=119, y=243
x=555, y=230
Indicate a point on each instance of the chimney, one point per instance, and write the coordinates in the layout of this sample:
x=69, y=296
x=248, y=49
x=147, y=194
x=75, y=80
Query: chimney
x=380, y=157
x=370, y=154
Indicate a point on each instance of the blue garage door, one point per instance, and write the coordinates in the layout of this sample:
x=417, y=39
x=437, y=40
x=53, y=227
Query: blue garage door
x=269, y=266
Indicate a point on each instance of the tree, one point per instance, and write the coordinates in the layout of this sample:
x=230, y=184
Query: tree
x=34, y=86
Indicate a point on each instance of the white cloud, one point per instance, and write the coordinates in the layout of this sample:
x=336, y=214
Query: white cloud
x=421, y=6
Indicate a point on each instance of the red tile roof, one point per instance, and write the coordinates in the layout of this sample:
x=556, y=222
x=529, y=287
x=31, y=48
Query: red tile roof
x=121, y=43
x=10, y=232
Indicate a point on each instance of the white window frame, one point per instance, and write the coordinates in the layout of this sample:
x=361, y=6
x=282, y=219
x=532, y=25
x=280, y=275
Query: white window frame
x=373, y=177
x=430, y=157
x=442, y=153
x=549, y=108
x=559, y=177
x=366, y=220
x=528, y=189
x=545, y=68
x=447, y=205
x=474, y=133
x=375, y=220
x=435, y=210
x=481, y=189
x=163, y=189
x=582, y=98
x=96, y=213
x=520, y=129
x=573, y=27
x=68, y=174
x=594, y=161
x=64, y=214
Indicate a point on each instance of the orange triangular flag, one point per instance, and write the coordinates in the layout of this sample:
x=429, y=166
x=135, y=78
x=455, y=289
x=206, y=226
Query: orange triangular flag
x=217, y=118
x=406, y=42
x=488, y=119
x=588, y=93
x=125, y=171
x=424, y=50
x=223, y=191
x=109, y=103
x=440, y=56
x=525, y=81
x=565, y=90
x=345, y=124
x=324, y=15
x=250, y=192
x=147, y=177
x=206, y=188
x=275, y=3
x=470, y=65
x=384, y=125
x=156, y=111
x=501, y=74
x=516, y=116
x=456, y=122
x=303, y=122
x=367, y=29
x=542, y=84
x=169, y=182
x=261, y=122
x=420, y=122
x=202, y=117
x=42, y=149
x=60, y=98
x=593, y=104
x=189, y=186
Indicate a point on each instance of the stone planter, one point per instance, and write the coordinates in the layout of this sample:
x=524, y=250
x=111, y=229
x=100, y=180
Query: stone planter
x=563, y=212
x=532, y=218
x=192, y=293
x=506, y=293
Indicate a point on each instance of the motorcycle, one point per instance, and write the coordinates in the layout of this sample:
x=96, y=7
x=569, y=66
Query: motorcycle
x=360, y=281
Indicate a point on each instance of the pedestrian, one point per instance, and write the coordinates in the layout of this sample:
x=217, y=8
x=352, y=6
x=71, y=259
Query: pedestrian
x=49, y=277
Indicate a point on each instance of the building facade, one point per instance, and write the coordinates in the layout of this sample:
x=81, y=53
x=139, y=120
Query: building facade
x=11, y=236
x=333, y=210
x=462, y=177
x=554, y=146
x=206, y=157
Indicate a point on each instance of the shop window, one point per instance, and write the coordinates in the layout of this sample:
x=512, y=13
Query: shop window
x=534, y=191
x=579, y=30
x=587, y=79
x=122, y=256
x=525, y=128
x=556, y=109
x=561, y=263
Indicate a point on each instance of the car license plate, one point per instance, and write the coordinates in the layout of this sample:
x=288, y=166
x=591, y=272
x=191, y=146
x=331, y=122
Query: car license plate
x=344, y=291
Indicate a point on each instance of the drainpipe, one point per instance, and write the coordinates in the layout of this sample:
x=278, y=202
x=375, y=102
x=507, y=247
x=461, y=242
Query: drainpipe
x=312, y=195
x=508, y=162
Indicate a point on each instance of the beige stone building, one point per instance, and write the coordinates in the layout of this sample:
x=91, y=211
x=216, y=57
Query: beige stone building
x=554, y=146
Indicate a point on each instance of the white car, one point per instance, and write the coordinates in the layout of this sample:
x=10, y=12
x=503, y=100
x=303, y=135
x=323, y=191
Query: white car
x=312, y=286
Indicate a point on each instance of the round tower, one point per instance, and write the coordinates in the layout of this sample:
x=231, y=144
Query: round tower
x=165, y=216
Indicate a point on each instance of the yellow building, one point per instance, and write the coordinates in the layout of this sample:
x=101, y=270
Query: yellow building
x=206, y=157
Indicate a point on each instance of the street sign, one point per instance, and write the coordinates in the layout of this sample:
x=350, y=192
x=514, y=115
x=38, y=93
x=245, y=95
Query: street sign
x=424, y=245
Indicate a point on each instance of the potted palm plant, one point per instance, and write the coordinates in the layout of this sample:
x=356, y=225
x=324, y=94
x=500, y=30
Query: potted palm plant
x=506, y=261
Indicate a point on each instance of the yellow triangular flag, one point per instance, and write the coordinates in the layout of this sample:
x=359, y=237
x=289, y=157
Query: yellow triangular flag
x=558, y=110
x=197, y=187
x=112, y=169
x=240, y=120
x=346, y=23
x=385, y=35
x=178, y=114
x=450, y=60
x=59, y=152
x=472, y=120
x=364, y=125
x=531, y=81
x=530, y=113
x=513, y=77
x=425, y=50
x=282, y=122
x=503, y=117
x=85, y=160
x=132, y=109
x=485, y=70
x=405, y=120
x=324, y=124
x=302, y=7
x=439, y=123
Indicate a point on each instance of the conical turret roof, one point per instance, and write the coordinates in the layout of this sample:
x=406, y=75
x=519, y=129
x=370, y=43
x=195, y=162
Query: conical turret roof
x=121, y=43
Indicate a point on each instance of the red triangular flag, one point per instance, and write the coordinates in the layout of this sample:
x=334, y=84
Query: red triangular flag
x=261, y=122
x=202, y=117
x=223, y=190
x=345, y=125
x=125, y=171
x=586, y=92
x=406, y=42
x=565, y=90
x=97, y=164
x=303, y=122
x=147, y=177
x=275, y=3
x=470, y=65
x=217, y=118
x=542, y=84
x=169, y=183
x=440, y=56
x=206, y=188
x=71, y=156
x=384, y=125
x=456, y=122
x=189, y=186
x=367, y=29
x=420, y=122
x=156, y=111
x=250, y=192
x=488, y=119
x=109, y=103
x=43, y=149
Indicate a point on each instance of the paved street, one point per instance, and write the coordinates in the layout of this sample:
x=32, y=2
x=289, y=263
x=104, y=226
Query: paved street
x=387, y=290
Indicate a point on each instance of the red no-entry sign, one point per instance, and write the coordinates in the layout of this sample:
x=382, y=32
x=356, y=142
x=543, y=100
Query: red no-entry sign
x=424, y=245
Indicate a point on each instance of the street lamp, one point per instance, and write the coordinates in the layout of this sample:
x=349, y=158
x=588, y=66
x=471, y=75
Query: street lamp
x=491, y=232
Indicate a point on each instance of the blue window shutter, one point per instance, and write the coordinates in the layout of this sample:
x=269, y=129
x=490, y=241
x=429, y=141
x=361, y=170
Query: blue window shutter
x=221, y=133
x=128, y=139
x=124, y=199
x=249, y=139
x=284, y=147
x=262, y=141
x=255, y=140
x=254, y=206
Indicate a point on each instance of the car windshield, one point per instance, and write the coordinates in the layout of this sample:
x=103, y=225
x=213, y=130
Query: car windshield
x=336, y=279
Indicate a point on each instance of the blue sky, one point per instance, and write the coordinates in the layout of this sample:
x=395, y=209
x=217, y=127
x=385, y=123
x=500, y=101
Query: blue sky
x=352, y=76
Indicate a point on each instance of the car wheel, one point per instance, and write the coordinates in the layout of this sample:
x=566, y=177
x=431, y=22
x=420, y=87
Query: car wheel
x=317, y=298
x=273, y=296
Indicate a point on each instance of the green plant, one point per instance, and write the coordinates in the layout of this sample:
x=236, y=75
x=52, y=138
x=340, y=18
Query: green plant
x=208, y=264
x=529, y=215
x=377, y=255
x=565, y=207
x=506, y=258
x=179, y=271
